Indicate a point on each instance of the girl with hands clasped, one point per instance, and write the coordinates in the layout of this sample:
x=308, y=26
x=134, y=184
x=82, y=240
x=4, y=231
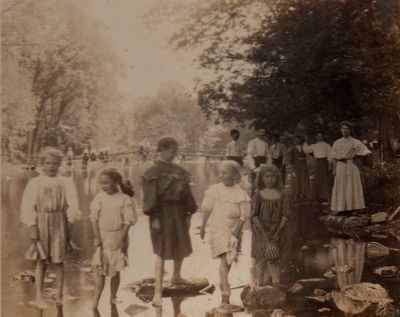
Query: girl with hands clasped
x=49, y=207
x=112, y=213
x=227, y=206
x=269, y=216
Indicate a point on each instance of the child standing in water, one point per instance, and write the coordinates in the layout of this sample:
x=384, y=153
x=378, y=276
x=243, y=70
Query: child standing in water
x=169, y=202
x=112, y=213
x=269, y=215
x=227, y=206
x=49, y=203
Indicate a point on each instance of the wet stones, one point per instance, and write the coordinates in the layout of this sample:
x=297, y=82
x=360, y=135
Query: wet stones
x=262, y=298
x=144, y=289
x=306, y=286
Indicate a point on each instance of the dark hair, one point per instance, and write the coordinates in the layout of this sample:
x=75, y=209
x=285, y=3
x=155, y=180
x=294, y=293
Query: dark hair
x=299, y=137
x=234, y=131
x=265, y=169
x=275, y=135
x=125, y=185
x=166, y=142
x=347, y=124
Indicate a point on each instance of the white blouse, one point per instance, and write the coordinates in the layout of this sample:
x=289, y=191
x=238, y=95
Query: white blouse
x=113, y=211
x=31, y=192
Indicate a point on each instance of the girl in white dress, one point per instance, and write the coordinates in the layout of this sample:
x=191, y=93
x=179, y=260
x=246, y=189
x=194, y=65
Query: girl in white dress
x=49, y=205
x=227, y=206
x=347, y=193
x=112, y=213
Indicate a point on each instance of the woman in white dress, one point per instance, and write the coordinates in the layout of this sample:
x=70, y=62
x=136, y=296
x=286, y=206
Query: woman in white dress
x=347, y=193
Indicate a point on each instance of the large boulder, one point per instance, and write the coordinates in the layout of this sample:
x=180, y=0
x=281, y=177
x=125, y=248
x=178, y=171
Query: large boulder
x=262, y=298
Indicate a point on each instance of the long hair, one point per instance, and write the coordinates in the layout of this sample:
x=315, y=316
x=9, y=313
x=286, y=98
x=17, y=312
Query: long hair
x=125, y=185
x=269, y=168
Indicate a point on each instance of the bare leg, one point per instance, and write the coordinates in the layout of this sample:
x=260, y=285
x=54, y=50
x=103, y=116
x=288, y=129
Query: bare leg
x=260, y=270
x=176, y=275
x=115, y=280
x=60, y=282
x=267, y=277
x=39, y=280
x=273, y=267
x=159, y=272
x=100, y=281
x=224, y=269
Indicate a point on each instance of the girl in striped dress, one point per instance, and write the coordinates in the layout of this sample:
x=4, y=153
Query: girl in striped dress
x=269, y=216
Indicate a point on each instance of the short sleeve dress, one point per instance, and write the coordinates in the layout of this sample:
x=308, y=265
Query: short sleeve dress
x=112, y=212
x=50, y=203
x=228, y=205
x=167, y=196
x=269, y=213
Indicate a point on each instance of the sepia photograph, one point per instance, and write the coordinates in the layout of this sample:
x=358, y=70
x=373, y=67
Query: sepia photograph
x=200, y=158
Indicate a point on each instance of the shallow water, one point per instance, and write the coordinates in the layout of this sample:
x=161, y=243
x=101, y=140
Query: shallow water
x=78, y=283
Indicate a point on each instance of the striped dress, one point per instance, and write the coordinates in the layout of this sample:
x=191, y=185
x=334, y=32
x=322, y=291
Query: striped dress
x=269, y=213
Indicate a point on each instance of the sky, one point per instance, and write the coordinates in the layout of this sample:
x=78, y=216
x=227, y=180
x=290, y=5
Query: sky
x=147, y=61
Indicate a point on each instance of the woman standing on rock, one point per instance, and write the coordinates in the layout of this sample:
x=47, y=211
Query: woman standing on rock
x=169, y=202
x=347, y=193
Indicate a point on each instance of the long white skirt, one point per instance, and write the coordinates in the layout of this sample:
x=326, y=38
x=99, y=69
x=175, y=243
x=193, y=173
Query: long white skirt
x=347, y=193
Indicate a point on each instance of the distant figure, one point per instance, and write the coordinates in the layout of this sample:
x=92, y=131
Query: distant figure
x=106, y=156
x=257, y=153
x=112, y=213
x=278, y=154
x=347, y=193
x=298, y=159
x=322, y=153
x=142, y=153
x=49, y=207
x=85, y=160
x=258, y=148
x=183, y=158
x=101, y=156
x=70, y=153
x=234, y=148
x=227, y=206
x=93, y=157
x=269, y=216
x=169, y=202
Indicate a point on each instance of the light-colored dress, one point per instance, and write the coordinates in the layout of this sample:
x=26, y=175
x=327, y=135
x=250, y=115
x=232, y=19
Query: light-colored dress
x=347, y=193
x=112, y=212
x=227, y=205
x=49, y=203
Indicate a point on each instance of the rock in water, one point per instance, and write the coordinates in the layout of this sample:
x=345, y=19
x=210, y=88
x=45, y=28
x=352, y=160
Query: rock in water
x=378, y=217
x=144, y=289
x=262, y=298
x=355, y=299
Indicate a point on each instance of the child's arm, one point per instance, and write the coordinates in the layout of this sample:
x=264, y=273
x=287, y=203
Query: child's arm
x=28, y=211
x=96, y=233
x=206, y=215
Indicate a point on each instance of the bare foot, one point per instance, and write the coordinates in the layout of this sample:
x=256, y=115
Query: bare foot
x=115, y=301
x=180, y=280
x=157, y=301
x=39, y=303
x=59, y=300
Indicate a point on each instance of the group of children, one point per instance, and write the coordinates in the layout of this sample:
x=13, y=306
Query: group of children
x=50, y=206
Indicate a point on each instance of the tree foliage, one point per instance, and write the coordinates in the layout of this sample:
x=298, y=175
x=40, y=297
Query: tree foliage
x=66, y=68
x=284, y=62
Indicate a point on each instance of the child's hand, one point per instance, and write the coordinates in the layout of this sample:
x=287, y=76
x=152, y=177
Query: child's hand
x=188, y=222
x=97, y=242
x=275, y=236
x=155, y=224
x=202, y=233
x=34, y=233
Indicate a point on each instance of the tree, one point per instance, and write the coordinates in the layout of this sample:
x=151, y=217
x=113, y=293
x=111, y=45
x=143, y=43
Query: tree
x=300, y=61
x=67, y=67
